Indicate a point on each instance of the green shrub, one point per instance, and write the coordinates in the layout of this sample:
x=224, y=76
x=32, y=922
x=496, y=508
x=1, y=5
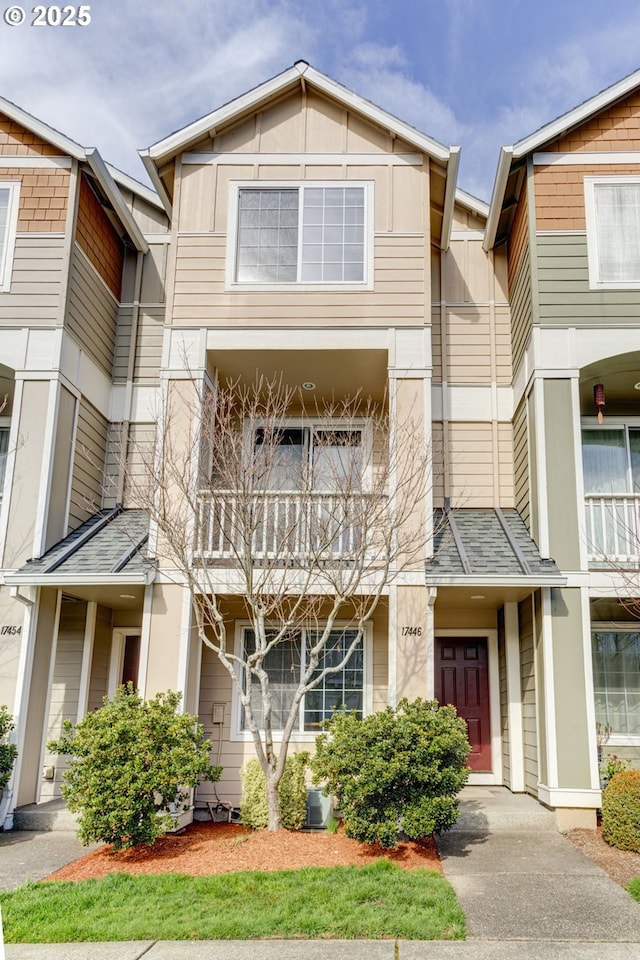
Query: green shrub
x=8, y=751
x=610, y=767
x=292, y=793
x=129, y=761
x=397, y=769
x=621, y=811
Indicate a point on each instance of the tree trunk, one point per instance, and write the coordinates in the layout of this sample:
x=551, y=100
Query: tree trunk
x=273, y=802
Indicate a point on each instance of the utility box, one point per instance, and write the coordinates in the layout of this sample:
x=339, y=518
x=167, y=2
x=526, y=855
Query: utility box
x=318, y=809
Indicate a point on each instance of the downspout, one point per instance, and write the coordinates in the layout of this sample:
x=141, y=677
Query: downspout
x=128, y=407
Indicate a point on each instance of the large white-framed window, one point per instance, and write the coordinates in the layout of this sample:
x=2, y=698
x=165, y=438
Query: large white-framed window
x=616, y=680
x=350, y=687
x=9, y=203
x=324, y=456
x=611, y=457
x=300, y=233
x=612, y=207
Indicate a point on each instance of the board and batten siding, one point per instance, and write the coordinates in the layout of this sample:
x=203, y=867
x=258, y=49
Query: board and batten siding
x=528, y=690
x=92, y=311
x=88, y=476
x=65, y=686
x=563, y=282
x=34, y=296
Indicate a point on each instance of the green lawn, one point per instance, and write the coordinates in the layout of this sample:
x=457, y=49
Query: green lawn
x=372, y=902
x=634, y=888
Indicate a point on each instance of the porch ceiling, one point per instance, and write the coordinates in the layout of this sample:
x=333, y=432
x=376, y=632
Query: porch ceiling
x=335, y=373
x=619, y=375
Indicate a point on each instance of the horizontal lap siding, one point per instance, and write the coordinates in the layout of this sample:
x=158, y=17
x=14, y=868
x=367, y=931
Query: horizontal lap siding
x=200, y=294
x=100, y=661
x=35, y=281
x=148, y=344
x=564, y=292
x=92, y=312
x=88, y=479
x=521, y=308
x=472, y=464
x=528, y=689
x=521, y=464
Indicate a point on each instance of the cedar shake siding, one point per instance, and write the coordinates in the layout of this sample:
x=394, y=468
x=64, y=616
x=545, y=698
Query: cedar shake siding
x=98, y=239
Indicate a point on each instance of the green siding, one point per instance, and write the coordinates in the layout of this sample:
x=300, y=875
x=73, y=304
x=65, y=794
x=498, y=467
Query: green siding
x=521, y=464
x=564, y=523
x=521, y=309
x=563, y=286
x=528, y=689
x=572, y=724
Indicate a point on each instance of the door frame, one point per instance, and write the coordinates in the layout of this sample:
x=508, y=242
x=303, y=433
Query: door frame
x=116, y=657
x=493, y=666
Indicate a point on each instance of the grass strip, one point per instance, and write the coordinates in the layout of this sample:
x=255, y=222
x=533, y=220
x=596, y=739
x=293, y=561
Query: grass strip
x=373, y=902
x=634, y=888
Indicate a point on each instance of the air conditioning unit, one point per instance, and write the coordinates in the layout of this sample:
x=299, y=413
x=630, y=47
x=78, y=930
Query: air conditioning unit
x=318, y=809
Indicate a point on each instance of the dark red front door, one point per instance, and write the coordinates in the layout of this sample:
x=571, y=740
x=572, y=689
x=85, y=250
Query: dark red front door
x=462, y=679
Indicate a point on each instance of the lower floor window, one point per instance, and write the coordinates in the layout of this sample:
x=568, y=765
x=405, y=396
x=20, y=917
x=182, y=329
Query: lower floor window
x=342, y=689
x=616, y=680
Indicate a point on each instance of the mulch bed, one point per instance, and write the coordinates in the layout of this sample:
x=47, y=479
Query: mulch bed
x=208, y=848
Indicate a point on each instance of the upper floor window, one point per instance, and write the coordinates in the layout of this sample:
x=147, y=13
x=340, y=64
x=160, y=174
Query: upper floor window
x=9, y=195
x=329, y=459
x=311, y=233
x=612, y=207
x=611, y=460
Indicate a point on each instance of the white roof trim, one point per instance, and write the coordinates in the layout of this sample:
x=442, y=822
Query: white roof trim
x=472, y=203
x=480, y=580
x=104, y=178
x=449, y=198
x=499, y=186
x=62, y=579
x=195, y=131
x=130, y=183
x=54, y=137
x=155, y=178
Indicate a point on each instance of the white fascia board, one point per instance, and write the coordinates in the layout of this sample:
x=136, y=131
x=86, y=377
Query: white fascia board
x=42, y=130
x=472, y=203
x=578, y=115
x=472, y=580
x=449, y=197
x=81, y=579
x=154, y=176
x=104, y=178
x=164, y=149
x=497, y=196
x=130, y=183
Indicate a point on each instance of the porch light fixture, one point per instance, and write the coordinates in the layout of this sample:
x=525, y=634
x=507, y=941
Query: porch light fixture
x=308, y=385
x=598, y=399
x=127, y=596
x=636, y=386
x=478, y=596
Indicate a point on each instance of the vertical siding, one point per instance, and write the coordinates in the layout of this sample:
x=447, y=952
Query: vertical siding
x=87, y=484
x=528, y=688
x=65, y=687
x=92, y=312
x=521, y=463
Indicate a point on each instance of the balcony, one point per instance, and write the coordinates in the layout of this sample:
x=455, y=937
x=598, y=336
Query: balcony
x=291, y=527
x=613, y=527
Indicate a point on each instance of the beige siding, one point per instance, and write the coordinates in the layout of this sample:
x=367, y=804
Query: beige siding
x=88, y=478
x=139, y=456
x=528, y=688
x=521, y=463
x=471, y=464
x=504, y=701
x=92, y=312
x=113, y=465
x=399, y=293
x=100, y=660
x=35, y=281
x=148, y=352
x=65, y=687
x=505, y=465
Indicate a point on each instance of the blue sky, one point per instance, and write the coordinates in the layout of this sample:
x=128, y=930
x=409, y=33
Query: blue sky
x=479, y=73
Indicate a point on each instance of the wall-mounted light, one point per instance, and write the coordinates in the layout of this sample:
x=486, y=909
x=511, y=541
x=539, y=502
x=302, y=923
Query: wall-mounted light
x=598, y=399
x=308, y=385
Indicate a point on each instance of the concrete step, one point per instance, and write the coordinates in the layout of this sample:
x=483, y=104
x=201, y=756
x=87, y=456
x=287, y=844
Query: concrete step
x=495, y=809
x=47, y=816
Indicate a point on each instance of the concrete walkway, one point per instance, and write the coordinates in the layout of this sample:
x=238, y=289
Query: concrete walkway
x=526, y=890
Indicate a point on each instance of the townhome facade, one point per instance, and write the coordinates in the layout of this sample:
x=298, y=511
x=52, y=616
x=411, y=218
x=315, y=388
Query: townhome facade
x=303, y=233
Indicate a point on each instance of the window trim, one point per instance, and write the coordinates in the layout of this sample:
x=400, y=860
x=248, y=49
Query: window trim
x=590, y=185
x=8, y=250
x=231, y=284
x=612, y=423
x=299, y=735
x=311, y=423
x=611, y=626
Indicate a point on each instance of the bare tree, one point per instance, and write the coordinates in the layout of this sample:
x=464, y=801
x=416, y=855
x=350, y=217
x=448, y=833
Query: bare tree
x=307, y=515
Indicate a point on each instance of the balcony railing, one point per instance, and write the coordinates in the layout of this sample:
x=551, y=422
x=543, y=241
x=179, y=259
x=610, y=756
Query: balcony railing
x=613, y=527
x=286, y=526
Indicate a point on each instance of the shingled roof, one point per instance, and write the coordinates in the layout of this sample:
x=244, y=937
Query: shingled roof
x=109, y=546
x=487, y=545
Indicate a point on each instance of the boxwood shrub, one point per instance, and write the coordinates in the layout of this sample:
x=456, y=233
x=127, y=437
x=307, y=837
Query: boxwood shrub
x=621, y=811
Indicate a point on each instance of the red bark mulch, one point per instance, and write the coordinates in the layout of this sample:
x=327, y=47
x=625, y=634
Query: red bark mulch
x=207, y=848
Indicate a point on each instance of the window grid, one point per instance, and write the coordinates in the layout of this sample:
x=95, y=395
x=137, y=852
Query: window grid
x=285, y=663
